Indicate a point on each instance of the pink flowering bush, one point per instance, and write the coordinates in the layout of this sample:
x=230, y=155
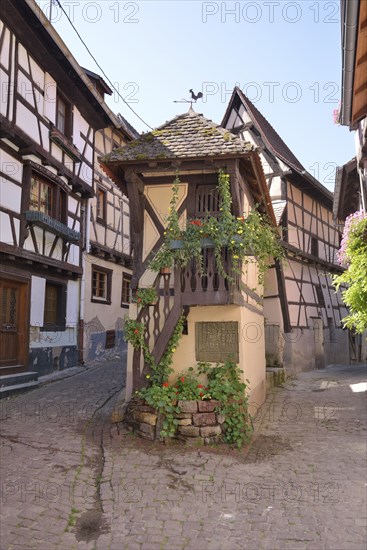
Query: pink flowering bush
x=353, y=255
x=352, y=229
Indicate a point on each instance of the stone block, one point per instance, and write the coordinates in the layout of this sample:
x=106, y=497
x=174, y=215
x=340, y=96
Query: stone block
x=207, y=406
x=147, y=408
x=204, y=419
x=221, y=418
x=188, y=406
x=145, y=417
x=147, y=428
x=145, y=435
x=210, y=431
x=192, y=441
x=212, y=440
x=185, y=422
x=190, y=431
x=182, y=415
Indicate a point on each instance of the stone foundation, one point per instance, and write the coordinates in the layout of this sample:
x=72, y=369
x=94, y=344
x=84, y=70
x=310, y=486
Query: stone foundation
x=199, y=423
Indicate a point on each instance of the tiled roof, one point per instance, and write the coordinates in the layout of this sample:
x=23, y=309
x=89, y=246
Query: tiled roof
x=270, y=137
x=190, y=135
x=278, y=207
x=129, y=129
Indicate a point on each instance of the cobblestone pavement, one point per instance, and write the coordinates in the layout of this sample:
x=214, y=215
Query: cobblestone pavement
x=71, y=480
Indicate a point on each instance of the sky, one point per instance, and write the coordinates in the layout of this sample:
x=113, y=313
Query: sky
x=284, y=55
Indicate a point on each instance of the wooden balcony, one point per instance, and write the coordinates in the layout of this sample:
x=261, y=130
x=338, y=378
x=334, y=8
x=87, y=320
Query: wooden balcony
x=210, y=288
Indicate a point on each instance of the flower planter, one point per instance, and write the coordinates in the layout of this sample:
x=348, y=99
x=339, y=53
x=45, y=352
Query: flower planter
x=165, y=271
x=176, y=244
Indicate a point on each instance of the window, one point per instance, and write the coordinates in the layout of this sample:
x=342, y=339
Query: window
x=101, y=284
x=63, y=116
x=48, y=198
x=125, y=293
x=110, y=339
x=41, y=197
x=55, y=306
x=206, y=200
x=320, y=296
x=101, y=205
x=314, y=246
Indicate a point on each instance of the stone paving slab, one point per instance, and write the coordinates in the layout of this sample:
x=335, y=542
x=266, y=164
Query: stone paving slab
x=72, y=480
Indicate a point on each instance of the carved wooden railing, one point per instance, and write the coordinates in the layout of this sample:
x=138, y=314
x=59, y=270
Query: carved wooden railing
x=188, y=286
x=160, y=321
x=210, y=286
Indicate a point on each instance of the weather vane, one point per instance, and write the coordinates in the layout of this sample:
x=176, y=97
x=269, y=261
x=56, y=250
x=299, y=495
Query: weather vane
x=194, y=98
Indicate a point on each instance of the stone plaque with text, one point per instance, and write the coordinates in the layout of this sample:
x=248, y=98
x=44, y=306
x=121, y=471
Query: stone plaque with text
x=217, y=341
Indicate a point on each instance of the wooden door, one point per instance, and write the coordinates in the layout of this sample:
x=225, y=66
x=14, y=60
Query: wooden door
x=13, y=309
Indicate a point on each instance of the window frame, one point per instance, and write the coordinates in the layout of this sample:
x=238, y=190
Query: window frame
x=59, y=198
x=60, y=321
x=126, y=278
x=108, y=274
x=67, y=126
x=101, y=219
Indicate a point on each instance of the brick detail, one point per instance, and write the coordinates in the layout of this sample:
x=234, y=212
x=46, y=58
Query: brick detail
x=188, y=406
x=204, y=419
x=207, y=406
x=191, y=431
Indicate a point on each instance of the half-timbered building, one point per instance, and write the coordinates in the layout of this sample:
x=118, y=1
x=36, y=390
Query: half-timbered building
x=303, y=312
x=350, y=192
x=107, y=269
x=50, y=113
x=221, y=319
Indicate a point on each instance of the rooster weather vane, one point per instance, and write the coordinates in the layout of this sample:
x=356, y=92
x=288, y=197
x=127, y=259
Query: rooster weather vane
x=194, y=98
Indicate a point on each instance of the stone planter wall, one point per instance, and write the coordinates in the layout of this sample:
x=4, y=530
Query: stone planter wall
x=198, y=421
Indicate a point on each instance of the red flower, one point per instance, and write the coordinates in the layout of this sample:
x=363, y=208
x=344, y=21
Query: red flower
x=136, y=331
x=165, y=384
x=138, y=300
x=200, y=385
x=201, y=394
x=182, y=379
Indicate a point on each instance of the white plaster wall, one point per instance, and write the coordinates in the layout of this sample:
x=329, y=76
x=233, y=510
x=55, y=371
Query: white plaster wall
x=38, y=286
x=6, y=235
x=72, y=304
x=4, y=79
x=49, y=105
x=27, y=122
x=4, y=53
x=10, y=166
x=10, y=196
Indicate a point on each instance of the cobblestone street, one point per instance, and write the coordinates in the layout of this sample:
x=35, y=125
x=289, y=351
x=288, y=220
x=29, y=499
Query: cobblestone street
x=72, y=480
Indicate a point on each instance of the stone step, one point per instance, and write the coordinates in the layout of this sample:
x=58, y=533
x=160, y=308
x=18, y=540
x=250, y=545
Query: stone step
x=11, y=384
x=18, y=388
x=13, y=369
x=19, y=378
x=275, y=377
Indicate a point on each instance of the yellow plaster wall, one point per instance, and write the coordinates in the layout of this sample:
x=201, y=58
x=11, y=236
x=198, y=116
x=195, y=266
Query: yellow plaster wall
x=251, y=344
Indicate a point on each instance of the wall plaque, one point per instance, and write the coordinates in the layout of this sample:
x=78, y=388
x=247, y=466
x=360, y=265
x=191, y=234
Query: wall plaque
x=217, y=341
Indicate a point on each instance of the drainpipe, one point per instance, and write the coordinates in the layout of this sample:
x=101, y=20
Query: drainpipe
x=86, y=247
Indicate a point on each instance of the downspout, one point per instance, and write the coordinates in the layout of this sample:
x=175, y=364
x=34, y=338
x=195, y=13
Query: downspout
x=86, y=248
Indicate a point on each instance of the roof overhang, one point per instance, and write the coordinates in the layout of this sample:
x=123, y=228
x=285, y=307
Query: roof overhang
x=347, y=187
x=35, y=32
x=354, y=62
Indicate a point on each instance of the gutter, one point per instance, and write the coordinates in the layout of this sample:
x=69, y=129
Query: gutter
x=349, y=19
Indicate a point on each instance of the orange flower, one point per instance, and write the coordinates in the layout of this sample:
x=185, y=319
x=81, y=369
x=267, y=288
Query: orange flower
x=165, y=384
x=136, y=331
